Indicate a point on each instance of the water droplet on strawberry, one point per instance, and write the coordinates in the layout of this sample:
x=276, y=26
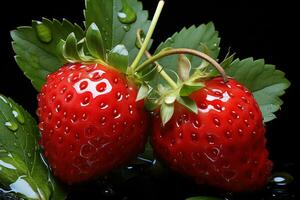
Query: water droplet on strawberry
x=87, y=150
x=210, y=139
x=58, y=124
x=83, y=85
x=103, y=120
x=58, y=108
x=74, y=118
x=217, y=121
x=60, y=140
x=84, y=116
x=85, y=101
x=234, y=114
x=67, y=130
x=119, y=96
x=103, y=106
x=101, y=87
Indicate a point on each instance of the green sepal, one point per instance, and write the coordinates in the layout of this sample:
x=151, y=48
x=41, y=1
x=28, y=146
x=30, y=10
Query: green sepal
x=70, y=51
x=149, y=73
x=150, y=105
x=118, y=57
x=189, y=88
x=94, y=42
x=143, y=92
x=188, y=103
x=166, y=112
x=184, y=67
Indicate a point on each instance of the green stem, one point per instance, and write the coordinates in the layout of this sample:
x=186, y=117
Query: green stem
x=160, y=70
x=148, y=36
x=184, y=51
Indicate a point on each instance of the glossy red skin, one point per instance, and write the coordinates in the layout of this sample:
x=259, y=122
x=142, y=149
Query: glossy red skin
x=90, y=129
x=223, y=145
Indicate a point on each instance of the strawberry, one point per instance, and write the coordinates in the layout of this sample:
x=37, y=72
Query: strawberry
x=223, y=145
x=90, y=121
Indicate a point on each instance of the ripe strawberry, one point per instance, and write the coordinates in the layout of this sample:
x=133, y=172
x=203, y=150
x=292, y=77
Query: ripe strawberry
x=223, y=145
x=90, y=121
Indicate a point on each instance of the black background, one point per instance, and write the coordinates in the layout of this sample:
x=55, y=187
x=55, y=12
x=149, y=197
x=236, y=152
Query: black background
x=251, y=28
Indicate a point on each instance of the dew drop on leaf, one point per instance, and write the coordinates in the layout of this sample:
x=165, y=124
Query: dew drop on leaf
x=126, y=15
x=43, y=32
x=11, y=126
x=126, y=28
x=18, y=115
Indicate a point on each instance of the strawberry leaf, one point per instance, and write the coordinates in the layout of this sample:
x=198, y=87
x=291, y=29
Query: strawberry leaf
x=118, y=21
x=94, y=42
x=118, y=57
x=36, y=47
x=202, y=38
x=166, y=112
x=266, y=83
x=22, y=168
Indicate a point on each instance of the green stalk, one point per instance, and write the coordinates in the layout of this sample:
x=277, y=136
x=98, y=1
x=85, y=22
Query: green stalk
x=184, y=51
x=148, y=36
x=160, y=69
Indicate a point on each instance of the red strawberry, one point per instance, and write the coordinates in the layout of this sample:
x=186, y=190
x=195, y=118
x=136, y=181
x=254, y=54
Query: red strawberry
x=223, y=145
x=90, y=121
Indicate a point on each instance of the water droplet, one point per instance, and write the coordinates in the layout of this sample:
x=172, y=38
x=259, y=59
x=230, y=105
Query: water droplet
x=126, y=15
x=87, y=150
x=119, y=96
x=247, y=123
x=103, y=106
x=251, y=114
x=49, y=115
x=53, y=98
x=281, y=178
x=116, y=80
x=217, y=121
x=84, y=116
x=240, y=131
x=245, y=99
x=42, y=31
x=116, y=114
x=203, y=106
x=96, y=76
x=11, y=126
x=126, y=28
x=18, y=115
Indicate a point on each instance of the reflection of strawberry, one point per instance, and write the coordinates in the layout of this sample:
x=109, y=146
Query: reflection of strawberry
x=222, y=146
x=90, y=121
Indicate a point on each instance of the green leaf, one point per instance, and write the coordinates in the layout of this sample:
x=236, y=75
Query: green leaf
x=189, y=88
x=94, y=42
x=143, y=92
x=22, y=167
x=70, y=51
x=107, y=14
x=166, y=112
x=265, y=82
x=36, y=54
x=188, y=103
x=201, y=38
x=118, y=57
x=184, y=67
x=203, y=198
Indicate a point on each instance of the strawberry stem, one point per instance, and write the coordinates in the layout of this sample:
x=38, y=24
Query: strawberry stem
x=148, y=36
x=184, y=51
x=160, y=70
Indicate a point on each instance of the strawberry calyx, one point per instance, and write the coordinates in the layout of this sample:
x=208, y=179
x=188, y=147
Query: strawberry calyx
x=166, y=95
